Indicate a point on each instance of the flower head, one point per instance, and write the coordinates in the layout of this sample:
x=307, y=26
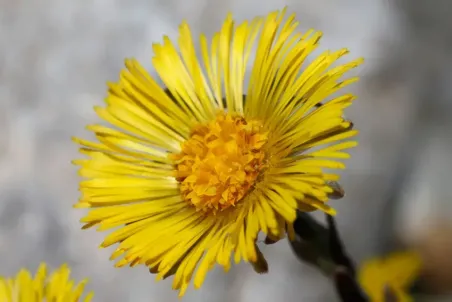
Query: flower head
x=189, y=176
x=391, y=275
x=57, y=287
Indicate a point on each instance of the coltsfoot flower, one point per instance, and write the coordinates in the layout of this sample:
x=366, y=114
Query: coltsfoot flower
x=187, y=176
x=56, y=287
x=392, y=275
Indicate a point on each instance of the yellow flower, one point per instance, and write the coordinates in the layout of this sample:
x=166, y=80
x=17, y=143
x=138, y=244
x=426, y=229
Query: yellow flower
x=395, y=273
x=191, y=175
x=56, y=288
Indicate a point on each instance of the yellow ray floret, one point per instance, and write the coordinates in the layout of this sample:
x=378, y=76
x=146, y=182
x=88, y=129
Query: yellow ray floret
x=57, y=287
x=189, y=174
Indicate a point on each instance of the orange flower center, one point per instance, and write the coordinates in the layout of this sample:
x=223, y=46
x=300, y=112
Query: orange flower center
x=220, y=162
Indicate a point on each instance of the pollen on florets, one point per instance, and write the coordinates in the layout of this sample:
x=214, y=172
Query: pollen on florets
x=220, y=162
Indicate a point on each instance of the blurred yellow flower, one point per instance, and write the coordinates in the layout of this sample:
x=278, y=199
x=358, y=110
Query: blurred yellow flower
x=56, y=288
x=394, y=273
x=194, y=174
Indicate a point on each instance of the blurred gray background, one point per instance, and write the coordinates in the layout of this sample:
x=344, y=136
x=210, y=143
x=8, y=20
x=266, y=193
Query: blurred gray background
x=56, y=56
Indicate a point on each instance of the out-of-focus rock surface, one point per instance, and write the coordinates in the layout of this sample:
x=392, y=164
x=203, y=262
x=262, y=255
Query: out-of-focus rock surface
x=55, y=57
